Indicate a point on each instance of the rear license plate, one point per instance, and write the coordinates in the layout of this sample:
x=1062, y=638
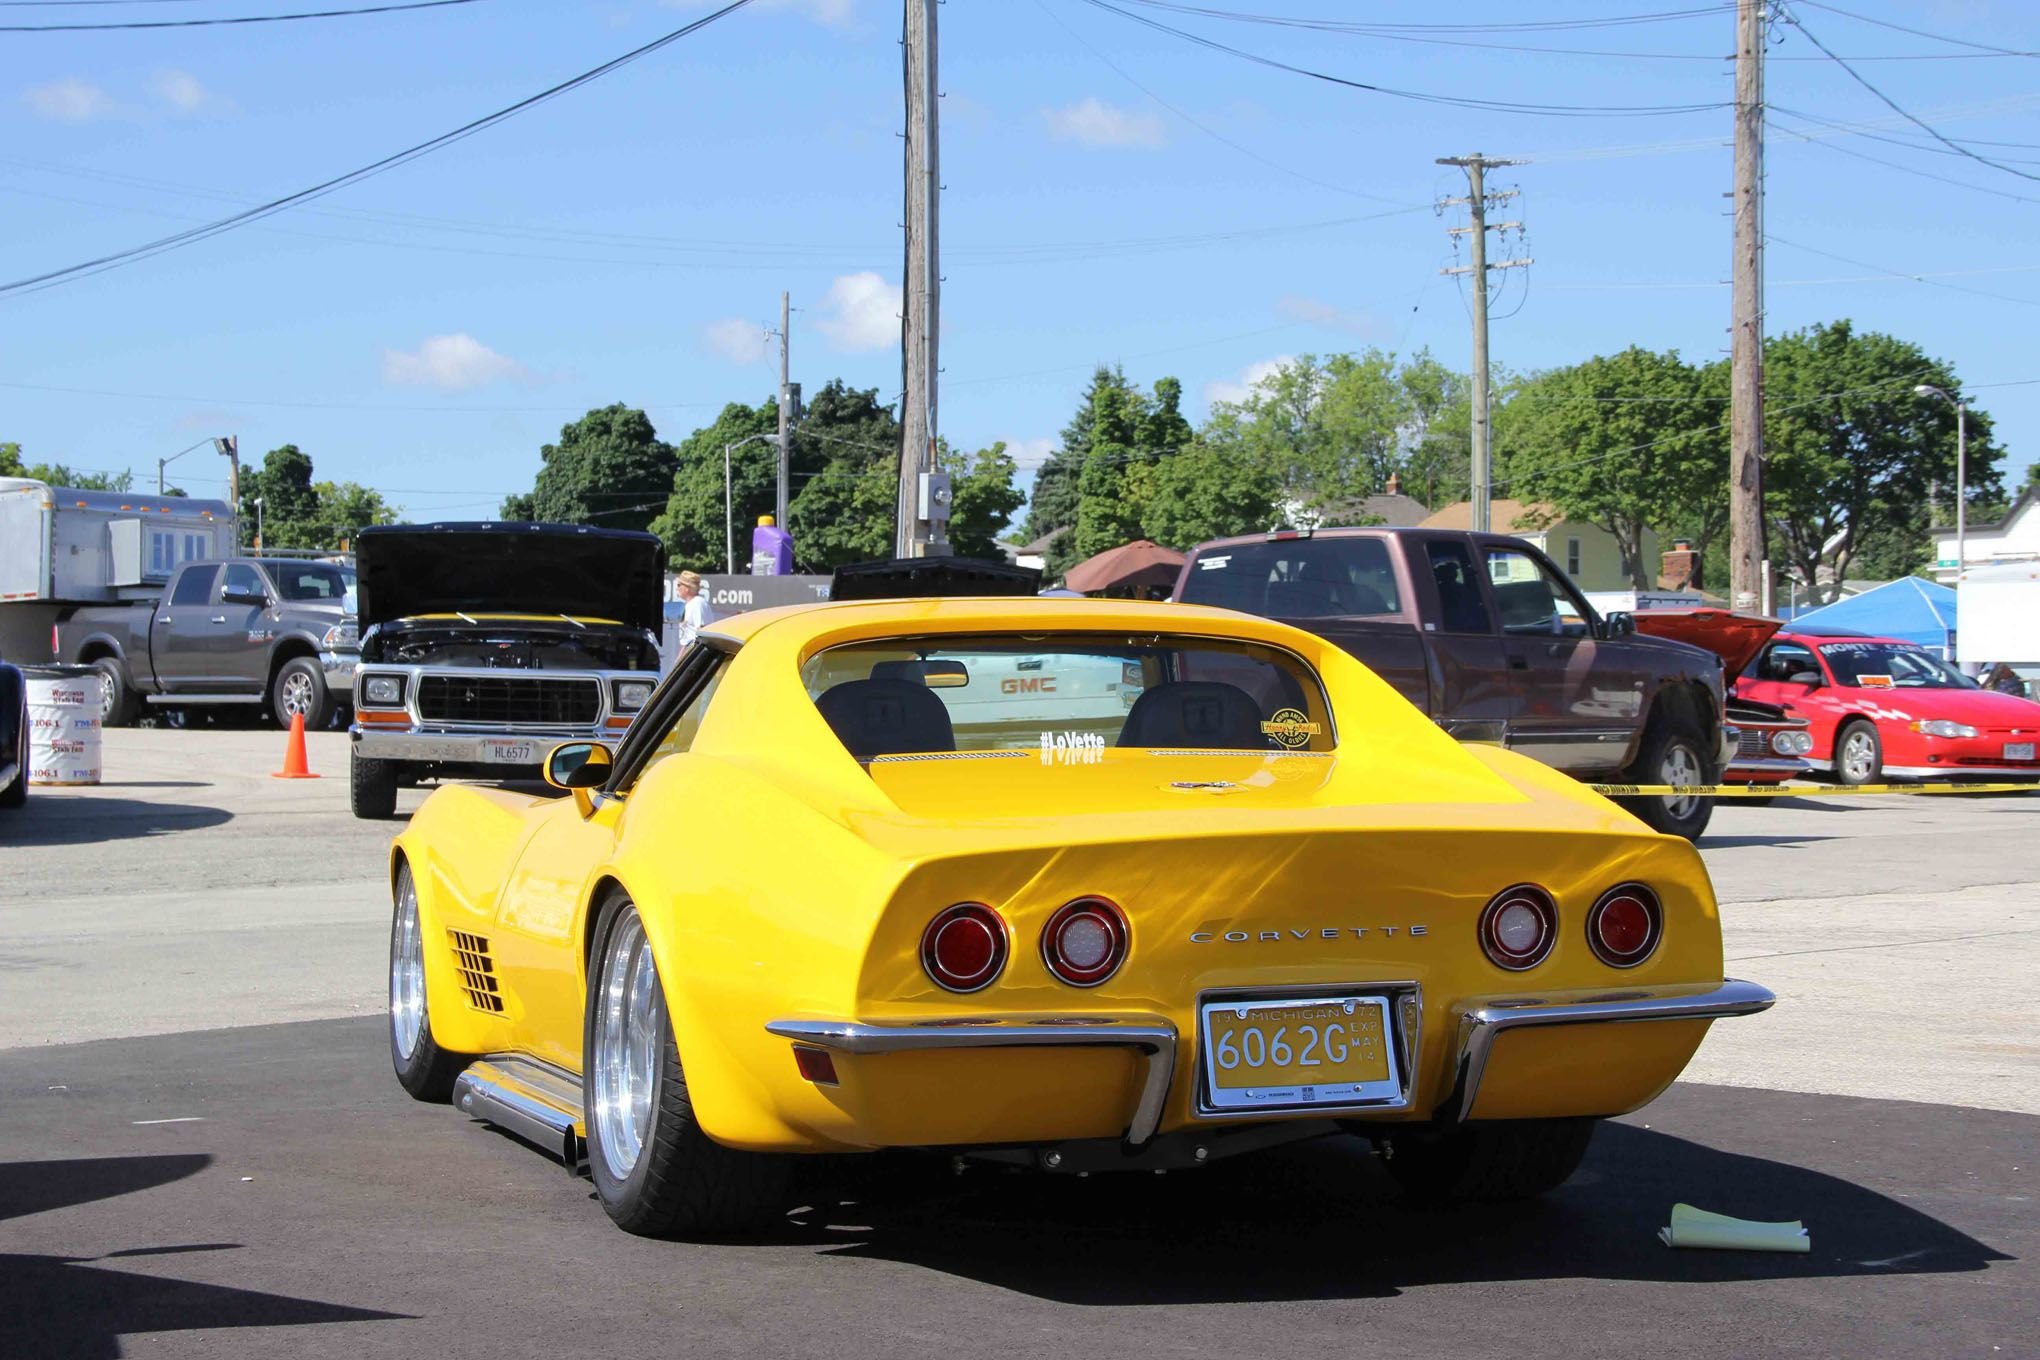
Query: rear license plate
x=2018, y=750
x=497, y=751
x=1298, y=1052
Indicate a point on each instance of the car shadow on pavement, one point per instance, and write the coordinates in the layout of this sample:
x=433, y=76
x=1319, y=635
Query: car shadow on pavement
x=1322, y=1221
x=50, y=820
x=1723, y=842
x=70, y=1308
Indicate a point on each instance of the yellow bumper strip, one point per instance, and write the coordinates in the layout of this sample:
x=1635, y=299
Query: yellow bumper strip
x=1485, y=1018
x=1153, y=1036
x=1798, y=790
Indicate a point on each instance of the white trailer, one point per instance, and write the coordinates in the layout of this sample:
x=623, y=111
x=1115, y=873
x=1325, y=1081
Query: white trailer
x=61, y=547
x=1997, y=610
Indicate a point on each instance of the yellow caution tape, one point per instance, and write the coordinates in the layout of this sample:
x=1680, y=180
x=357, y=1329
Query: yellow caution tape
x=1796, y=790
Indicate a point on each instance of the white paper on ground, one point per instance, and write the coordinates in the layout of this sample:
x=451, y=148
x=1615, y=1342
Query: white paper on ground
x=1697, y=1228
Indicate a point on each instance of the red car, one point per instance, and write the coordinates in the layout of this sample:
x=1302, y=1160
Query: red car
x=1885, y=708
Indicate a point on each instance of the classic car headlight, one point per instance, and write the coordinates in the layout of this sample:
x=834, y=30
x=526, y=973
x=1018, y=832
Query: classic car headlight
x=632, y=695
x=387, y=690
x=1942, y=727
x=341, y=635
x=1794, y=743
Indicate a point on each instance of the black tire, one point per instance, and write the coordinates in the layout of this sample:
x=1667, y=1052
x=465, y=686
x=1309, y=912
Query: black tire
x=117, y=709
x=1501, y=1159
x=16, y=794
x=372, y=787
x=1669, y=743
x=300, y=686
x=429, y=1071
x=1862, y=731
x=684, y=1183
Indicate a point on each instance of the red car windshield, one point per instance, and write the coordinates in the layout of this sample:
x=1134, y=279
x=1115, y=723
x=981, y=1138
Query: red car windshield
x=1891, y=665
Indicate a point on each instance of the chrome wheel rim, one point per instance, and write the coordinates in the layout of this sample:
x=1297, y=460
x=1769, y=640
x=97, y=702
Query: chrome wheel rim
x=629, y=1029
x=407, y=972
x=296, y=695
x=1859, y=756
x=1679, y=767
x=105, y=696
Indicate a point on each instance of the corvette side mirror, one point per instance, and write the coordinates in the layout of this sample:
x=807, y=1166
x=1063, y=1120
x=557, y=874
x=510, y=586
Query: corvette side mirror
x=579, y=767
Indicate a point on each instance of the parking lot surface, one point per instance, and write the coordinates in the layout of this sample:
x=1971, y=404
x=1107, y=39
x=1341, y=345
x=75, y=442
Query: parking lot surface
x=202, y=1151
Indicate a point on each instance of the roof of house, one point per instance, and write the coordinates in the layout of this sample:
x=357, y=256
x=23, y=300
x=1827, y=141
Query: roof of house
x=1045, y=542
x=2027, y=499
x=1506, y=516
x=1388, y=508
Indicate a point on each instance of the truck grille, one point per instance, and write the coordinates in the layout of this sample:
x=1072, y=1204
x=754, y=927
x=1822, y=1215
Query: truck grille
x=1754, y=743
x=530, y=699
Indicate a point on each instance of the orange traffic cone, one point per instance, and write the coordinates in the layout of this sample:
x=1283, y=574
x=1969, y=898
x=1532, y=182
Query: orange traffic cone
x=294, y=766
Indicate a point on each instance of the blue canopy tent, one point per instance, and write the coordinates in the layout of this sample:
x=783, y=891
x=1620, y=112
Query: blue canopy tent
x=1911, y=608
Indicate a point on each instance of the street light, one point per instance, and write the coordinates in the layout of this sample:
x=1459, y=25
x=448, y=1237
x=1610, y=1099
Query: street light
x=728, y=502
x=162, y=463
x=257, y=503
x=1961, y=472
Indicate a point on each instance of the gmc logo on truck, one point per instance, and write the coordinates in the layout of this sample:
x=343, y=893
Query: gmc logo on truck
x=1028, y=684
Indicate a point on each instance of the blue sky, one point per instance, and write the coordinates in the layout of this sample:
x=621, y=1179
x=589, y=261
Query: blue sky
x=1112, y=194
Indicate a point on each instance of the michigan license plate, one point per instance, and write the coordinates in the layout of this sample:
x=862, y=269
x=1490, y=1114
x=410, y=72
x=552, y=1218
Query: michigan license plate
x=499, y=752
x=1335, y=1050
x=2018, y=750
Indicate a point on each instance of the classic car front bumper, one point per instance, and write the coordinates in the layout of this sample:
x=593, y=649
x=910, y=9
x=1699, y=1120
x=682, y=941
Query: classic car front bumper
x=462, y=748
x=1481, y=1021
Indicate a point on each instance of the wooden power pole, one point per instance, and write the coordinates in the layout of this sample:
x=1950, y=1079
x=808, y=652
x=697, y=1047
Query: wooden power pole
x=785, y=463
x=1476, y=202
x=1746, y=346
x=924, y=491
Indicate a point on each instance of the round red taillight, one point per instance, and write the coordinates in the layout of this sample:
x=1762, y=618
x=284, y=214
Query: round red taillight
x=1624, y=926
x=1519, y=926
x=1085, y=941
x=964, y=948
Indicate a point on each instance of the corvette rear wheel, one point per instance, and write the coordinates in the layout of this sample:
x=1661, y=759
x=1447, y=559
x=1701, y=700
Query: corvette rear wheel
x=425, y=1070
x=1499, y=1159
x=656, y=1171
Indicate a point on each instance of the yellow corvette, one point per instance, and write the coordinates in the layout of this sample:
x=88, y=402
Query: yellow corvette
x=1075, y=884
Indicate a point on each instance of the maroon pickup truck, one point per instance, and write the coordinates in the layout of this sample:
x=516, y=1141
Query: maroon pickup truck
x=1483, y=633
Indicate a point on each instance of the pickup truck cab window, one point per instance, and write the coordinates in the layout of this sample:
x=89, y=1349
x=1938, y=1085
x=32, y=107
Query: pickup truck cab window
x=310, y=582
x=1460, y=607
x=243, y=579
x=1529, y=600
x=1299, y=578
x=194, y=586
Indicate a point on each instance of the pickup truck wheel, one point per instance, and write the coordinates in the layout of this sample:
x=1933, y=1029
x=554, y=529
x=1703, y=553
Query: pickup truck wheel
x=657, y=1173
x=16, y=794
x=1499, y=1159
x=300, y=688
x=117, y=702
x=372, y=787
x=423, y=1068
x=1859, y=755
x=1673, y=753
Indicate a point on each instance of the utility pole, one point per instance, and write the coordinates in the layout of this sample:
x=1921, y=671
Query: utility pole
x=1746, y=343
x=924, y=496
x=229, y=447
x=785, y=465
x=1477, y=201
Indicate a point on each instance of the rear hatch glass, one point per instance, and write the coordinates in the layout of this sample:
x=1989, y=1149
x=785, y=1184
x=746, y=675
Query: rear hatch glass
x=1297, y=578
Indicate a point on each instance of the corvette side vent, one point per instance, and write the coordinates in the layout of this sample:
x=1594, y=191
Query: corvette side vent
x=477, y=971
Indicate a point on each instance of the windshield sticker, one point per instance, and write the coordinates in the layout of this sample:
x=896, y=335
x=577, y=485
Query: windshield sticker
x=1213, y=563
x=1874, y=681
x=1291, y=728
x=1072, y=748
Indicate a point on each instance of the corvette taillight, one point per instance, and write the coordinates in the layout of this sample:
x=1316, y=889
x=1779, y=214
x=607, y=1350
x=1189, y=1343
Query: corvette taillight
x=1519, y=926
x=964, y=948
x=1625, y=925
x=1085, y=941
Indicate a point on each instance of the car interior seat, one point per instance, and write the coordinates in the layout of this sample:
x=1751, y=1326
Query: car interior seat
x=887, y=718
x=1200, y=715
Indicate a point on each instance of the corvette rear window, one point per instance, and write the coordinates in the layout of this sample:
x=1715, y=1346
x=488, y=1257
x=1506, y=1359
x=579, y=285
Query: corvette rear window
x=1078, y=691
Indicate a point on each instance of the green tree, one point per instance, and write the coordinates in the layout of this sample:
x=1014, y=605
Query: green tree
x=344, y=509
x=56, y=474
x=610, y=469
x=1208, y=491
x=1108, y=509
x=693, y=522
x=1851, y=450
x=846, y=450
x=984, y=498
x=1622, y=441
x=518, y=508
x=289, y=503
x=1437, y=440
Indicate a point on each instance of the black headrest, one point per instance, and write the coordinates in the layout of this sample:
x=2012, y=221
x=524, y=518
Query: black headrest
x=887, y=718
x=1201, y=715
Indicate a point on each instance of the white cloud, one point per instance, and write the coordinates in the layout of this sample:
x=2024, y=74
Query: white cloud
x=69, y=100
x=1296, y=307
x=452, y=363
x=831, y=13
x=1242, y=388
x=737, y=340
x=181, y=91
x=861, y=313
x=1030, y=454
x=1096, y=123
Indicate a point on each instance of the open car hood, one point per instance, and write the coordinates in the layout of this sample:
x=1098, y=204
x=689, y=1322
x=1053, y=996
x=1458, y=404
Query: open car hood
x=544, y=569
x=1733, y=637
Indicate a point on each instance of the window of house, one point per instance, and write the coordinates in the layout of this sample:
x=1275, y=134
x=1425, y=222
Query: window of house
x=1572, y=558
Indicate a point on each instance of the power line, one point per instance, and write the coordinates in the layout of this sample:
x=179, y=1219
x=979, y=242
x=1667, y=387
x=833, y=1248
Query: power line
x=1894, y=165
x=1928, y=279
x=1866, y=130
x=242, y=19
x=1917, y=32
x=51, y=278
x=1522, y=26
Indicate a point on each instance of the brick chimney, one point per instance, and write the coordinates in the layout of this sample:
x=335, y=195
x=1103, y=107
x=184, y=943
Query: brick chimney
x=1680, y=566
x=1394, y=484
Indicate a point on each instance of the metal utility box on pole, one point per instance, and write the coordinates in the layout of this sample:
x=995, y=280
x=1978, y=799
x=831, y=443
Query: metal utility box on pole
x=1746, y=343
x=785, y=466
x=1476, y=202
x=923, y=493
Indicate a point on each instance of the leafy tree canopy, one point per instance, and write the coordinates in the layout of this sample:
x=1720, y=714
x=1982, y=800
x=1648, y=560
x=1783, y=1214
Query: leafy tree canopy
x=985, y=498
x=609, y=469
x=56, y=474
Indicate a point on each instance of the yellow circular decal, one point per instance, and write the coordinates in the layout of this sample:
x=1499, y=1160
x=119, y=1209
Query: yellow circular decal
x=1290, y=728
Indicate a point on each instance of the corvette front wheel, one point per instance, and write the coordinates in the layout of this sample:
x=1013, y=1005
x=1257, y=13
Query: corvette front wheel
x=425, y=1069
x=657, y=1173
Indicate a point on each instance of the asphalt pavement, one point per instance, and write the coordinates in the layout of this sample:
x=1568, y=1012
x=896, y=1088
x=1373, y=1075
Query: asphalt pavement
x=182, y=1175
